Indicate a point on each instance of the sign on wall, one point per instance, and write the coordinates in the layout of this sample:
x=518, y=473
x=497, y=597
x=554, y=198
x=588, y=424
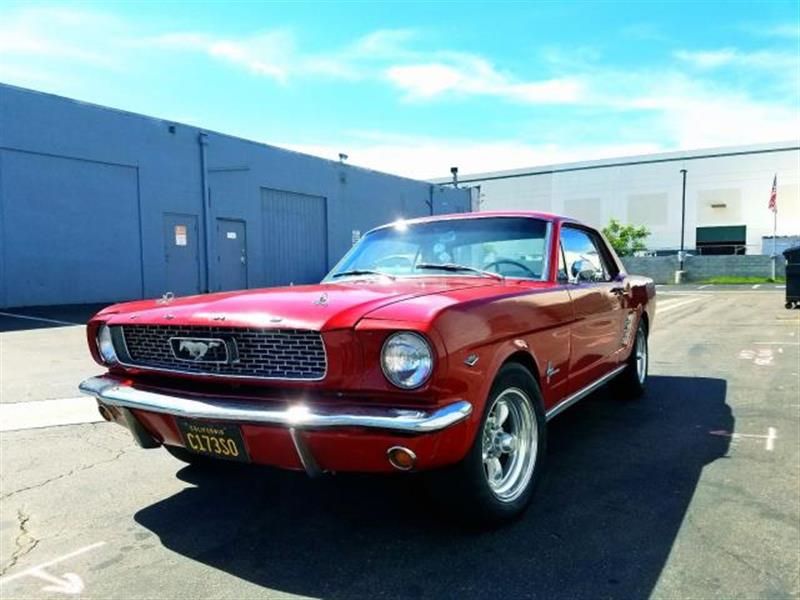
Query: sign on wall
x=180, y=235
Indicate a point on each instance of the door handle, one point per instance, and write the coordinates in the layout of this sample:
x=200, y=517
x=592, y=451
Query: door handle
x=618, y=289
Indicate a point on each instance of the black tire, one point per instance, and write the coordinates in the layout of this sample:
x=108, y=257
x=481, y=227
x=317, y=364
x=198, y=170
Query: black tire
x=184, y=455
x=631, y=383
x=465, y=488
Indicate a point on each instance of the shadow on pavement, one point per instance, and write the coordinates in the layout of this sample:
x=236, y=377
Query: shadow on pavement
x=46, y=317
x=620, y=478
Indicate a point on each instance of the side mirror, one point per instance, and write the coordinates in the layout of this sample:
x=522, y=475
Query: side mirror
x=584, y=270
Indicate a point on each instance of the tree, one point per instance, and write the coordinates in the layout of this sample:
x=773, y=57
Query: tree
x=625, y=239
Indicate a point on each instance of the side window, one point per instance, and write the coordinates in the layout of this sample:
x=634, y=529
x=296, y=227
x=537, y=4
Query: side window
x=581, y=245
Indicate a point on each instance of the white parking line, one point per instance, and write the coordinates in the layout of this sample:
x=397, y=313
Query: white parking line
x=674, y=305
x=41, y=319
x=48, y=413
x=38, y=570
x=756, y=286
x=772, y=435
x=769, y=444
x=708, y=285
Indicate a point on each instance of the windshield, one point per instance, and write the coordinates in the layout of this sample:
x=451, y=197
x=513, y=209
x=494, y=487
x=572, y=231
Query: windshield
x=483, y=247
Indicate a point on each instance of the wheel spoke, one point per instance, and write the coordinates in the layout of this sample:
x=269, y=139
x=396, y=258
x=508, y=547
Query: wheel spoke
x=500, y=413
x=509, y=444
x=494, y=470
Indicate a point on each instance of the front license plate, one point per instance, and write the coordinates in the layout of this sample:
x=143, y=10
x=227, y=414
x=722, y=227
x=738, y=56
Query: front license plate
x=213, y=439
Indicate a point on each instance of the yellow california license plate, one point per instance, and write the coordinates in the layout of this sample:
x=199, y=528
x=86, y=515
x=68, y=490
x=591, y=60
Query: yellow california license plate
x=213, y=439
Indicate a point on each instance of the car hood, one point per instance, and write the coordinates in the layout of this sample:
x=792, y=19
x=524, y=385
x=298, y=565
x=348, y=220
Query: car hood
x=317, y=307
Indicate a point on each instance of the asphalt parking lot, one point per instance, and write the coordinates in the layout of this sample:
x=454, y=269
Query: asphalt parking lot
x=692, y=491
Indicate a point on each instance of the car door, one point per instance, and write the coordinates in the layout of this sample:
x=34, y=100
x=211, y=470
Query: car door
x=597, y=302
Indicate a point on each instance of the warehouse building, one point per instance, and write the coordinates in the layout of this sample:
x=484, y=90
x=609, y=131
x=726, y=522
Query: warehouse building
x=100, y=205
x=727, y=195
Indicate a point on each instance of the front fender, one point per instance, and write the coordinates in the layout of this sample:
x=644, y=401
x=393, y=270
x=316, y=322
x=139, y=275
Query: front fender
x=475, y=382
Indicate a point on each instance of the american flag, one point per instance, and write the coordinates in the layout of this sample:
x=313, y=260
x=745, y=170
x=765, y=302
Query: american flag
x=773, y=197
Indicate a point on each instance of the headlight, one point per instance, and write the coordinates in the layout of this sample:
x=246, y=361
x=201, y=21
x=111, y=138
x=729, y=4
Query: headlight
x=407, y=360
x=105, y=345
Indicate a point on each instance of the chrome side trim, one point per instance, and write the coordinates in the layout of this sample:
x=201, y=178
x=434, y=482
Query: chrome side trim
x=115, y=392
x=582, y=393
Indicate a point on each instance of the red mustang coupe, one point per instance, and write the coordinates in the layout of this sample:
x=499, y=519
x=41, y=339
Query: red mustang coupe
x=443, y=343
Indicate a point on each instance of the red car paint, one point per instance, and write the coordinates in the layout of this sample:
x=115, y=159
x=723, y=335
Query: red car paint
x=576, y=332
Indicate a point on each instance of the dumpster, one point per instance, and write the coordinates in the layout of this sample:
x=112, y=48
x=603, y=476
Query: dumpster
x=792, y=276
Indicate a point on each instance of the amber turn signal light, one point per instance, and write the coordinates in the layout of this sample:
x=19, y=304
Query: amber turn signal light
x=401, y=458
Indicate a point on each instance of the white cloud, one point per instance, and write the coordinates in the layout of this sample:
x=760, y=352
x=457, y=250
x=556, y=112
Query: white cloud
x=783, y=30
x=382, y=54
x=708, y=120
x=698, y=98
x=707, y=59
x=276, y=54
x=57, y=34
x=383, y=43
x=464, y=74
x=268, y=54
x=424, y=157
x=767, y=60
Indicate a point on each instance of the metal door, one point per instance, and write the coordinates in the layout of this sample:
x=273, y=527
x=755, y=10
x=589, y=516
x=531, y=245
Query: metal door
x=181, y=254
x=231, y=255
x=295, y=237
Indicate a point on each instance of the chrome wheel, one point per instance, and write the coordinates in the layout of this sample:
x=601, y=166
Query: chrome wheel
x=641, y=355
x=510, y=444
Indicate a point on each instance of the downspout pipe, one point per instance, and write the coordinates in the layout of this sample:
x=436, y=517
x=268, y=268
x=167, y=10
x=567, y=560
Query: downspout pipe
x=202, y=139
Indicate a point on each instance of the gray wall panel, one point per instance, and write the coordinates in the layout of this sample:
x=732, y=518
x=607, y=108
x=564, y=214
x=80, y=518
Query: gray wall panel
x=75, y=229
x=166, y=156
x=294, y=235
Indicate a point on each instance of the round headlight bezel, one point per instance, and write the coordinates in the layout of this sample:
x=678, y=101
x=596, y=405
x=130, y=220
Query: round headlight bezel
x=428, y=362
x=105, y=345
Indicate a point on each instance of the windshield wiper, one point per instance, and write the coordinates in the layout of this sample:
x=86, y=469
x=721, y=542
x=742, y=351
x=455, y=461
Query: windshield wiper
x=363, y=272
x=456, y=267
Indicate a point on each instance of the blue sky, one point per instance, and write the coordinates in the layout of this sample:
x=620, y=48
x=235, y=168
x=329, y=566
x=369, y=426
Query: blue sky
x=416, y=87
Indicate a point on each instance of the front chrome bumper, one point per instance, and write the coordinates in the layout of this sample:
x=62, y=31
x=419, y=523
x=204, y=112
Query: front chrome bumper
x=115, y=392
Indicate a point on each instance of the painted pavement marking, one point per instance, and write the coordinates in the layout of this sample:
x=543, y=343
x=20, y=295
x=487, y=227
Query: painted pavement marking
x=769, y=439
x=40, y=319
x=673, y=305
x=48, y=413
x=762, y=358
x=68, y=583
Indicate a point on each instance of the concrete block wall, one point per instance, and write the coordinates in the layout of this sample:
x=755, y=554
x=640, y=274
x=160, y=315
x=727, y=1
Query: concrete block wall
x=699, y=268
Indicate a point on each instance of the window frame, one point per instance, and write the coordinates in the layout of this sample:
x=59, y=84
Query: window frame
x=608, y=265
x=546, y=258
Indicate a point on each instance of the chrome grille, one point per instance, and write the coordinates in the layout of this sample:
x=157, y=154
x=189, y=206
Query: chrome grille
x=259, y=353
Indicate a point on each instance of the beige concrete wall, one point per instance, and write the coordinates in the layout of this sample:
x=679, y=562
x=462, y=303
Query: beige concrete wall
x=732, y=189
